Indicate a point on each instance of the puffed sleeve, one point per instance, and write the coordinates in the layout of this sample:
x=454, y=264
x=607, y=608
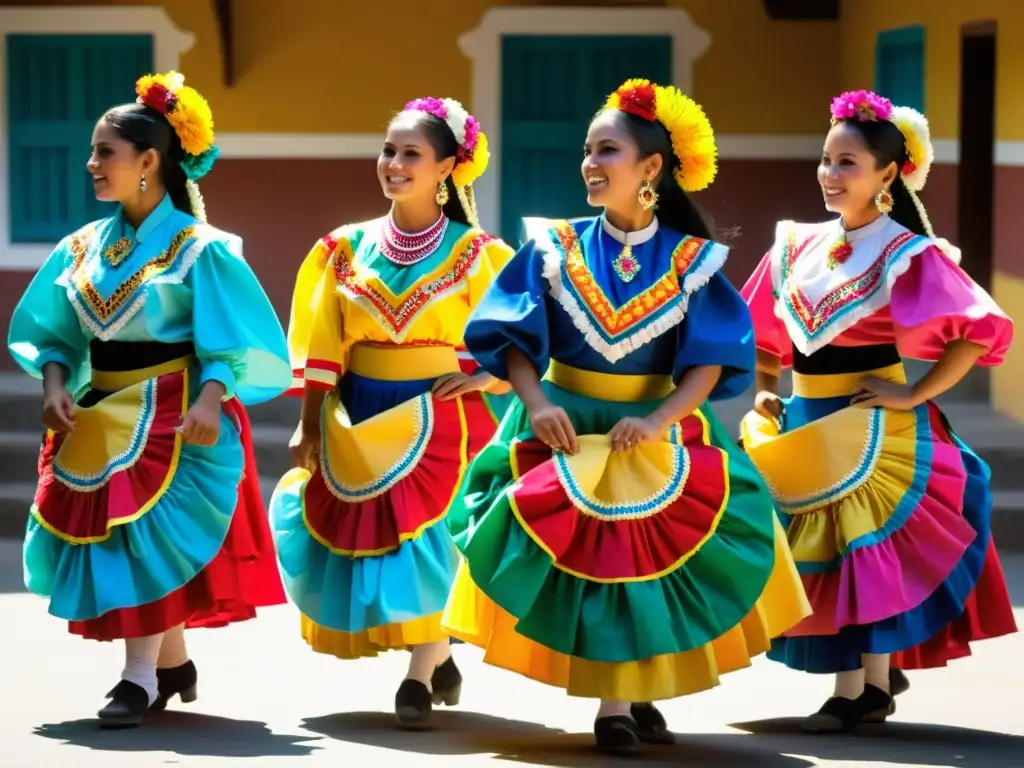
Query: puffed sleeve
x=493, y=257
x=935, y=302
x=238, y=338
x=511, y=313
x=718, y=331
x=44, y=327
x=305, y=300
x=326, y=345
x=769, y=332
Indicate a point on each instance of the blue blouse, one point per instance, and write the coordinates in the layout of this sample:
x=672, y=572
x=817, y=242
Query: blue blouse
x=176, y=279
x=560, y=297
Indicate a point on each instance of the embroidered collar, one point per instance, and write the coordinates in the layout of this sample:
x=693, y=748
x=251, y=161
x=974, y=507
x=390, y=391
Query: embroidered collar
x=862, y=233
x=156, y=217
x=630, y=238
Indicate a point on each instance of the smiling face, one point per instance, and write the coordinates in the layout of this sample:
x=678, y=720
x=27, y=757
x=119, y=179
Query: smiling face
x=408, y=167
x=117, y=167
x=613, y=169
x=849, y=174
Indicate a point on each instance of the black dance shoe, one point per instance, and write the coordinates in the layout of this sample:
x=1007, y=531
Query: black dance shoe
x=838, y=714
x=129, y=704
x=651, y=727
x=446, y=683
x=176, y=681
x=413, y=706
x=617, y=735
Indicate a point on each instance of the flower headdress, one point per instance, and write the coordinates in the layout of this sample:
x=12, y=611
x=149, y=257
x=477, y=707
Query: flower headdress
x=472, y=157
x=867, y=105
x=693, y=141
x=190, y=116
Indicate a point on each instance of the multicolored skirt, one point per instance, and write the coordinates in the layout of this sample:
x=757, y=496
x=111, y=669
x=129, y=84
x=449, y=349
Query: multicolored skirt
x=641, y=575
x=362, y=542
x=888, y=515
x=132, y=530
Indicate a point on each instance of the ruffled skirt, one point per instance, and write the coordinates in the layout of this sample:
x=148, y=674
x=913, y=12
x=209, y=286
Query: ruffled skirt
x=133, y=531
x=888, y=517
x=362, y=542
x=640, y=575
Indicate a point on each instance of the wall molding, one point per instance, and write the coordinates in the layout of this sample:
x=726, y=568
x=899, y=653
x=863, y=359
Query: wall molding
x=169, y=43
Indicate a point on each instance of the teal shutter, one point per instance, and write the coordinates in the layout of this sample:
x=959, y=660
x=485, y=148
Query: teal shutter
x=551, y=88
x=900, y=66
x=57, y=87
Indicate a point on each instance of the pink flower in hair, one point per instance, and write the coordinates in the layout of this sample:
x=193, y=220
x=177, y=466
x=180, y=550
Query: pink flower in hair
x=472, y=133
x=430, y=105
x=861, y=105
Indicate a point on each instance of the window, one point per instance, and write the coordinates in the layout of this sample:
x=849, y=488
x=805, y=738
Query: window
x=57, y=87
x=551, y=88
x=900, y=66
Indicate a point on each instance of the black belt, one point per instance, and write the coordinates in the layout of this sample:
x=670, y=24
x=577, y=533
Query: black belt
x=117, y=356
x=833, y=359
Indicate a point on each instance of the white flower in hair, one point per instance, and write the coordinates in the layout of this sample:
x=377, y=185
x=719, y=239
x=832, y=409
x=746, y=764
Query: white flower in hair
x=917, y=136
x=456, y=118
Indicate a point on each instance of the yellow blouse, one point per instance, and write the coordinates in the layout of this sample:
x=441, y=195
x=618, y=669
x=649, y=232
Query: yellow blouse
x=348, y=293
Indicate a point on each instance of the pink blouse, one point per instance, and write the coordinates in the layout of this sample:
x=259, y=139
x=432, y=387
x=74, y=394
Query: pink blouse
x=896, y=287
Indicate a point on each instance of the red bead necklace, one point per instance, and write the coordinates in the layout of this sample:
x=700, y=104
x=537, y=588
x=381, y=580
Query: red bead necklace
x=410, y=247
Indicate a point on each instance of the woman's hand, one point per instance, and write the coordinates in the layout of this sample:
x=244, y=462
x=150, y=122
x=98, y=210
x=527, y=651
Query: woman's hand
x=631, y=431
x=451, y=385
x=552, y=427
x=59, y=410
x=201, y=425
x=768, y=404
x=879, y=393
x=304, y=447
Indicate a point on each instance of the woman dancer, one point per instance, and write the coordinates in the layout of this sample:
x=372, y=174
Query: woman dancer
x=148, y=330
x=887, y=509
x=387, y=413
x=617, y=544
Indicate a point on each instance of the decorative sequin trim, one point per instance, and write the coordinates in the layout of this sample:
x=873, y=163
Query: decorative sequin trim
x=126, y=459
x=423, y=428
x=397, y=317
x=615, y=332
x=105, y=317
x=846, y=485
x=633, y=510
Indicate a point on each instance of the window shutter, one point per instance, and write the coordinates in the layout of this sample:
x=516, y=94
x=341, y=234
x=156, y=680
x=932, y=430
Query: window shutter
x=899, y=66
x=551, y=88
x=58, y=86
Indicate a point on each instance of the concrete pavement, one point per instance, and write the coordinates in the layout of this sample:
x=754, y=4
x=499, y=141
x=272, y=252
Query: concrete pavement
x=266, y=700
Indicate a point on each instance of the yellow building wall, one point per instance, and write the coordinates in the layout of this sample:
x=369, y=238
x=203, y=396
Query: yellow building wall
x=942, y=19
x=344, y=67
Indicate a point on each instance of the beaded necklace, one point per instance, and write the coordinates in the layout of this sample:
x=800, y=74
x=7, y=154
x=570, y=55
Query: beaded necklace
x=407, y=248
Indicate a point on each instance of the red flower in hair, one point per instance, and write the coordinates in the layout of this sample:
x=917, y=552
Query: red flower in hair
x=908, y=168
x=158, y=97
x=639, y=101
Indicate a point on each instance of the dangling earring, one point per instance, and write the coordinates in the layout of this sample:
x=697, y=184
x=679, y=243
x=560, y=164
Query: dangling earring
x=883, y=201
x=442, y=193
x=143, y=184
x=647, y=197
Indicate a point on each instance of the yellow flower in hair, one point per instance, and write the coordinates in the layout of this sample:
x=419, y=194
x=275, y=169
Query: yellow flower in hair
x=468, y=171
x=185, y=109
x=693, y=140
x=917, y=139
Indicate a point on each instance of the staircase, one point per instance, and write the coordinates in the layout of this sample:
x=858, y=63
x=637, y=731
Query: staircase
x=996, y=438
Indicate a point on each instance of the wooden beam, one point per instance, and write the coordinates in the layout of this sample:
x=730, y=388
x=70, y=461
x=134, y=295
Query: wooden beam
x=225, y=27
x=802, y=10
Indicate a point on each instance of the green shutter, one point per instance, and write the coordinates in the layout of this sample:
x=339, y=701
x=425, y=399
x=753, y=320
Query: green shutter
x=57, y=87
x=551, y=88
x=900, y=66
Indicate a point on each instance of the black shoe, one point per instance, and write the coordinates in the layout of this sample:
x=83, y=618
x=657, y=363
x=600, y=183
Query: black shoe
x=898, y=684
x=839, y=714
x=616, y=734
x=651, y=727
x=176, y=681
x=446, y=683
x=413, y=706
x=128, y=705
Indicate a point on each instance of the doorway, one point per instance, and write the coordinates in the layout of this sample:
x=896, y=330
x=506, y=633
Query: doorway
x=976, y=177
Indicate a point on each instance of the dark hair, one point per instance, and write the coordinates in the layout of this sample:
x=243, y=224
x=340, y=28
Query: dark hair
x=886, y=142
x=145, y=128
x=676, y=209
x=445, y=145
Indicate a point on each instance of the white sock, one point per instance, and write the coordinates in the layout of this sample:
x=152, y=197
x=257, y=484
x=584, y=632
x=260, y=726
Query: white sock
x=849, y=685
x=140, y=655
x=610, y=707
x=876, y=669
x=425, y=659
x=173, y=652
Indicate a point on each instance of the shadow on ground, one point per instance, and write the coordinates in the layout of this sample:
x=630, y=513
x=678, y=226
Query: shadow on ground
x=191, y=735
